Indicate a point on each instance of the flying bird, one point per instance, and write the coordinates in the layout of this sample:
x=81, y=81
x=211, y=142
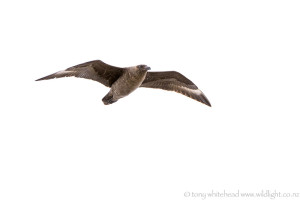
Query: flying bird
x=123, y=81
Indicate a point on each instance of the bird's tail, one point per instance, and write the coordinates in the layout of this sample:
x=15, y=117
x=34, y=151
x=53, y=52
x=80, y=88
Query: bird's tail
x=59, y=74
x=108, y=99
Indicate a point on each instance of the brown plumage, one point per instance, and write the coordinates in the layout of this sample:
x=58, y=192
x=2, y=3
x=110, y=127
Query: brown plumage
x=123, y=81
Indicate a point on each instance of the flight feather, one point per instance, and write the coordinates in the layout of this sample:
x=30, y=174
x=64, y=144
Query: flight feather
x=94, y=70
x=174, y=81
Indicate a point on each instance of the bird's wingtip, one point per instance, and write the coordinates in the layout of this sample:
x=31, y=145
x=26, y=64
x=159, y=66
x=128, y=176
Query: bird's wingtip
x=207, y=103
x=205, y=100
x=40, y=79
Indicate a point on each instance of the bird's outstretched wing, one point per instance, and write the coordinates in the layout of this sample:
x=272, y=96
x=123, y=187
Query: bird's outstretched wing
x=174, y=81
x=95, y=70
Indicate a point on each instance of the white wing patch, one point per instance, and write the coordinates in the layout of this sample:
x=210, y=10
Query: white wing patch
x=197, y=91
x=62, y=72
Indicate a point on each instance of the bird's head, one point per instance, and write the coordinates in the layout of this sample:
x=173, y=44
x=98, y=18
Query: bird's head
x=143, y=67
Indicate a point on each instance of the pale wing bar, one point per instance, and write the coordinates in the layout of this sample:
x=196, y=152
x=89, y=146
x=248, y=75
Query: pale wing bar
x=93, y=70
x=174, y=81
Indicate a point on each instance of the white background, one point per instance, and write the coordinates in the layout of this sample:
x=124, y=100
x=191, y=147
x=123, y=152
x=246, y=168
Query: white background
x=58, y=140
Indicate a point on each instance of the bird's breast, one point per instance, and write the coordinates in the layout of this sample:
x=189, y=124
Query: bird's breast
x=127, y=83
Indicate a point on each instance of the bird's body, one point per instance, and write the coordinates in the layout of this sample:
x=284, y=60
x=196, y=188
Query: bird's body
x=129, y=81
x=123, y=81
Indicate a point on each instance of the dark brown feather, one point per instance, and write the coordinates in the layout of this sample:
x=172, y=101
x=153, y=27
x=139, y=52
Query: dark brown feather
x=174, y=81
x=94, y=70
x=169, y=75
